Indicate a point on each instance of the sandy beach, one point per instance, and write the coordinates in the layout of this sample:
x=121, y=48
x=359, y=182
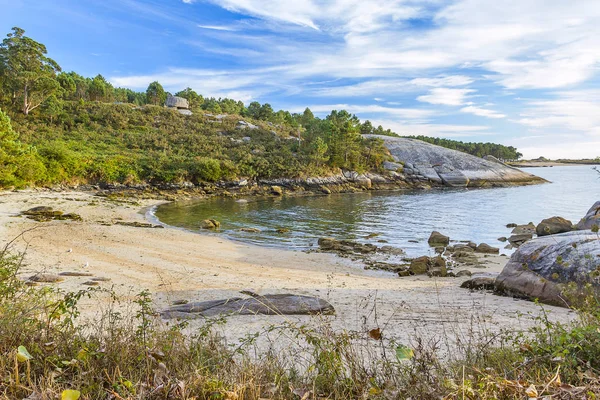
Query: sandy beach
x=174, y=264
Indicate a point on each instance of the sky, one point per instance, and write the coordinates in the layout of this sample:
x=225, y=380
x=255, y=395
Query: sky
x=518, y=72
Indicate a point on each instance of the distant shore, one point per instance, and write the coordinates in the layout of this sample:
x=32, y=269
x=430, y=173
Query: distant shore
x=174, y=264
x=534, y=164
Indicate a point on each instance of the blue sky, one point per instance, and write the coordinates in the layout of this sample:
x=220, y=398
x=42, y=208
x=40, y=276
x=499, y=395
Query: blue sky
x=521, y=73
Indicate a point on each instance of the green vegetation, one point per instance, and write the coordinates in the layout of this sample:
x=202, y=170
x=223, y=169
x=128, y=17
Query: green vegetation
x=128, y=353
x=66, y=128
x=71, y=129
x=477, y=149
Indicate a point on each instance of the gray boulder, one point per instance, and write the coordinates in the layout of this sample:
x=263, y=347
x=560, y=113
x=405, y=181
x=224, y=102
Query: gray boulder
x=549, y=268
x=591, y=219
x=450, y=167
x=554, y=225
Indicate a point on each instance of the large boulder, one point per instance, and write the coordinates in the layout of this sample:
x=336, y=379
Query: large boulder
x=450, y=167
x=554, y=225
x=553, y=268
x=591, y=219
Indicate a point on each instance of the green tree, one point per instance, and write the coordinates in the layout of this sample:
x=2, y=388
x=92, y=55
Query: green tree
x=98, y=88
x=266, y=112
x=156, y=94
x=25, y=69
x=52, y=107
x=254, y=110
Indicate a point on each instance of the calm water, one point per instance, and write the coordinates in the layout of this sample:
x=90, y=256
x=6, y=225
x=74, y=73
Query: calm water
x=398, y=217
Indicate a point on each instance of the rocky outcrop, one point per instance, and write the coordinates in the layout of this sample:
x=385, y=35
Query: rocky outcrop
x=270, y=304
x=591, y=219
x=427, y=162
x=553, y=268
x=554, y=225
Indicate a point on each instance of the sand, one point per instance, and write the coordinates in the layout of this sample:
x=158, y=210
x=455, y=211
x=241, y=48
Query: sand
x=175, y=264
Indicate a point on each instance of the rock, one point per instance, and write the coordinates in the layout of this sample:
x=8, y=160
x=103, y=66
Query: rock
x=472, y=245
x=251, y=230
x=282, y=230
x=210, y=224
x=551, y=268
x=101, y=279
x=38, y=210
x=419, y=265
x=326, y=243
x=91, y=283
x=437, y=267
x=391, y=250
x=372, y=235
x=325, y=190
x=179, y=302
x=511, y=225
x=528, y=229
x=487, y=249
x=464, y=272
x=517, y=240
x=274, y=304
x=591, y=219
x=392, y=166
x=437, y=239
x=75, y=273
x=502, y=239
x=137, y=224
x=480, y=282
x=554, y=225
x=450, y=167
x=46, y=278
x=276, y=190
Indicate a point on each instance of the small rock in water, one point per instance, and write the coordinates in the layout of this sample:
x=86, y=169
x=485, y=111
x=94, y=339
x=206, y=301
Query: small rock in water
x=251, y=230
x=437, y=239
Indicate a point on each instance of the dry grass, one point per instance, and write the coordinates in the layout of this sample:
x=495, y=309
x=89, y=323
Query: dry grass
x=133, y=355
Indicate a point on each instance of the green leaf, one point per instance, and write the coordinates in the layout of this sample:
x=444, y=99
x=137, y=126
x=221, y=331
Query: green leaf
x=22, y=354
x=70, y=394
x=403, y=352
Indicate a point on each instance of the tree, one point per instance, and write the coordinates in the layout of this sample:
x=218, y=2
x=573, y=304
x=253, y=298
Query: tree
x=25, y=69
x=266, y=112
x=254, y=110
x=52, y=107
x=156, y=94
x=98, y=88
x=366, y=128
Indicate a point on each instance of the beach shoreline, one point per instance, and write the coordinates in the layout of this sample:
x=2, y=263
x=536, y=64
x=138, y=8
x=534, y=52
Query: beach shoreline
x=175, y=264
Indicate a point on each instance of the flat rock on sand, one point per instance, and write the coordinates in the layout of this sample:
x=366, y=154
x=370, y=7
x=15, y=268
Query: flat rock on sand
x=271, y=304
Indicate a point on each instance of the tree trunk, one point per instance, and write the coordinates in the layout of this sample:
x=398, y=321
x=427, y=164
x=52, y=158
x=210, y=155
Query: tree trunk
x=25, y=105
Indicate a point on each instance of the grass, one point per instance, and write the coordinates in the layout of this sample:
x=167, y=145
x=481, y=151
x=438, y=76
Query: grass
x=45, y=350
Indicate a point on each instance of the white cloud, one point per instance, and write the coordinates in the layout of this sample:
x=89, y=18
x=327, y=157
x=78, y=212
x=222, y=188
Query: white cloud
x=217, y=27
x=446, y=96
x=574, y=111
x=482, y=112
